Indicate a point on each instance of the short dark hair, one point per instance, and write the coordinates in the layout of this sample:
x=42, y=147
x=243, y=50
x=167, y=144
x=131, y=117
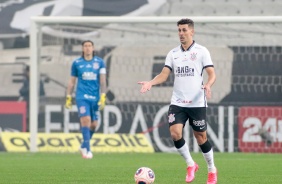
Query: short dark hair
x=87, y=41
x=187, y=21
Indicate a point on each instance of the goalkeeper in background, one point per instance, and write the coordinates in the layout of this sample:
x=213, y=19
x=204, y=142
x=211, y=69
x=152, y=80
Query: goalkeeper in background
x=89, y=71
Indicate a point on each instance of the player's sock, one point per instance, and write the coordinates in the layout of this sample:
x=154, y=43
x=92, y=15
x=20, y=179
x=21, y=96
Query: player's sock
x=91, y=133
x=208, y=155
x=86, y=138
x=183, y=149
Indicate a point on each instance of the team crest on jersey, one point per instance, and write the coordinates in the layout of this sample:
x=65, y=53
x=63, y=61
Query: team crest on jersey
x=95, y=66
x=82, y=109
x=171, y=118
x=193, y=56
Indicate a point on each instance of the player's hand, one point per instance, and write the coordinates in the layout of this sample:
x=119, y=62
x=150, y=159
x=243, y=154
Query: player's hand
x=68, y=104
x=146, y=86
x=207, y=89
x=102, y=101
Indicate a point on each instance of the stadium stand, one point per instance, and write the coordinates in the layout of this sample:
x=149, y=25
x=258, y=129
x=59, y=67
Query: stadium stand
x=233, y=63
x=221, y=8
x=256, y=75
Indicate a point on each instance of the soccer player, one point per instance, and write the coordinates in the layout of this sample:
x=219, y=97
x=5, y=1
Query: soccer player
x=189, y=98
x=89, y=72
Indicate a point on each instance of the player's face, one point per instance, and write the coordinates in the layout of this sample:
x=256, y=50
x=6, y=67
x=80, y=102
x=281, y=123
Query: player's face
x=185, y=34
x=87, y=48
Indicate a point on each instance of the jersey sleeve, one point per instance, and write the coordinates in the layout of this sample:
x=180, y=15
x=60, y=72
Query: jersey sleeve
x=169, y=61
x=102, y=67
x=207, y=61
x=73, y=69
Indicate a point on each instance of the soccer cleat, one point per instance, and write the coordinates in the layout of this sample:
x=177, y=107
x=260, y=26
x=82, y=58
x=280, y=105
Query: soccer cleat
x=83, y=152
x=89, y=155
x=191, y=170
x=212, y=178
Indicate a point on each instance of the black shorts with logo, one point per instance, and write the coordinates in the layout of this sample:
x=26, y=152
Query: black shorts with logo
x=195, y=115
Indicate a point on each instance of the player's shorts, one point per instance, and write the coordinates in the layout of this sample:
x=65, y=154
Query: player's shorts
x=195, y=115
x=88, y=108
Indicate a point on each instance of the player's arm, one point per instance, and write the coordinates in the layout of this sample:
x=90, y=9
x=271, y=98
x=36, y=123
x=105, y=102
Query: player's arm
x=70, y=87
x=103, y=89
x=211, y=79
x=160, y=78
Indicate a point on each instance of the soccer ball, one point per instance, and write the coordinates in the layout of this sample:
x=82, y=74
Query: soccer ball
x=144, y=175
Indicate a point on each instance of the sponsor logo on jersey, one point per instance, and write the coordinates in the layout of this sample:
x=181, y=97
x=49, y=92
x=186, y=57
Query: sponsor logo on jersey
x=89, y=76
x=171, y=118
x=183, y=101
x=89, y=96
x=184, y=71
x=95, y=66
x=199, y=122
x=193, y=56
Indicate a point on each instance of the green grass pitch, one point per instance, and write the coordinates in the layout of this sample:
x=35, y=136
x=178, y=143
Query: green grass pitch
x=119, y=168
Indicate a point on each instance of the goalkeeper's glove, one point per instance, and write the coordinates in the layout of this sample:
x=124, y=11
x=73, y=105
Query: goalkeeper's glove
x=102, y=101
x=68, y=104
